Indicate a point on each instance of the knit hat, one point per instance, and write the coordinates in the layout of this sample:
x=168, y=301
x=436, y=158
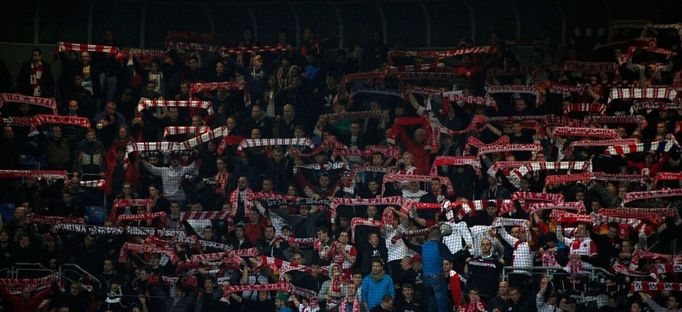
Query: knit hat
x=282, y=296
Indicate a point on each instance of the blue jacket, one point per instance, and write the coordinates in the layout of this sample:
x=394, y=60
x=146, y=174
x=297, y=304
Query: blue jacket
x=373, y=291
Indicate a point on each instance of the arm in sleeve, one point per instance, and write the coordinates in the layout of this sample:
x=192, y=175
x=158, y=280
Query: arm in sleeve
x=152, y=169
x=466, y=233
x=654, y=306
x=445, y=251
x=364, y=293
x=290, y=219
x=560, y=236
x=511, y=240
x=321, y=296
x=391, y=287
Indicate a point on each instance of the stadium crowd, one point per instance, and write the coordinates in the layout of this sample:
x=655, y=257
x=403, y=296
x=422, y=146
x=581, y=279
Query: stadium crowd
x=278, y=178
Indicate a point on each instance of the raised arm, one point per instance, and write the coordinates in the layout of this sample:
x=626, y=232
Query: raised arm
x=152, y=169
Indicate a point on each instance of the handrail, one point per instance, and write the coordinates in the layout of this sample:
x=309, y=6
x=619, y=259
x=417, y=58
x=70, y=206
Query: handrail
x=29, y=266
x=78, y=268
x=594, y=272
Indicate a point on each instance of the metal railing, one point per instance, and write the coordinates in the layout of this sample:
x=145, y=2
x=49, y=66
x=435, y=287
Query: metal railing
x=594, y=273
x=67, y=271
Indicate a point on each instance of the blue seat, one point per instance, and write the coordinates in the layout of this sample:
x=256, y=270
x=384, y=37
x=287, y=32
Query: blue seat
x=95, y=214
x=7, y=211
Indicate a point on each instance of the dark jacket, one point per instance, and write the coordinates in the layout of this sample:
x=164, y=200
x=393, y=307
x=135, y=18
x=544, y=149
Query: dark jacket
x=46, y=80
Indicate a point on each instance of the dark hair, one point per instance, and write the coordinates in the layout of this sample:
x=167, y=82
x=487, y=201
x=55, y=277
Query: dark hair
x=378, y=260
x=322, y=229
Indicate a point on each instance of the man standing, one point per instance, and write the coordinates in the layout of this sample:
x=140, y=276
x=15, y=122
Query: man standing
x=35, y=77
x=433, y=253
x=376, y=285
x=171, y=177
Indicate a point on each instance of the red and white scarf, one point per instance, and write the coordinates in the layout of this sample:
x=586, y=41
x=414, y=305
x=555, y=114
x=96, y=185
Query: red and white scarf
x=586, y=132
x=33, y=282
x=34, y=218
x=646, y=215
x=177, y=146
x=601, y=176
x=49, y=103
x=252, y=50
x=567, y=217
x=590, y=68
x=490, y=89
x=469, y=207
x=609, y=120
x=410, y=233
x=592, y=143
x=93, y=183
x=667, y=268
x=391, y=201
x=474, y=306
x=504, y=165
x=455, y=97
x=344, y=304
x=667, y=176
x=281, y=286
x=125, y=202
x=439, y=53
x=660, y=146
x=147, y=103
x=249, y=143
x=435, y=66
x=564, y=89
x=642, y=93
x=577, y=206
x=473, y=141
x=638, y=286
x=250, y=252
x=499, y=148
x=234, y=201
x=175, y=130
x=362, y=221
x=599, y=108
x=598, y=219
x=633, y=196
x=396, y=177
x=147, y=216
x=40, y=174
x=35, y=77
x=522, y=197
x=39, y=119
x=141, y=53
x=657, y=105
x=82, y=47
x=198, y=87
x=205, y=215
x=476, y=121
x=434, y=76
x=387, y=151
x=533, y=166
x=455, y=161
x=139, y=248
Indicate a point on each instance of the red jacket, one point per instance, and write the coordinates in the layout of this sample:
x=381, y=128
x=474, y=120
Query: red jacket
x=20, y=304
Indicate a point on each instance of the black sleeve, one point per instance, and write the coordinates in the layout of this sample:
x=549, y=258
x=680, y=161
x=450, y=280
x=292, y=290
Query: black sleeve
x=445, y=251
x=416, y=248
x=461, y=255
